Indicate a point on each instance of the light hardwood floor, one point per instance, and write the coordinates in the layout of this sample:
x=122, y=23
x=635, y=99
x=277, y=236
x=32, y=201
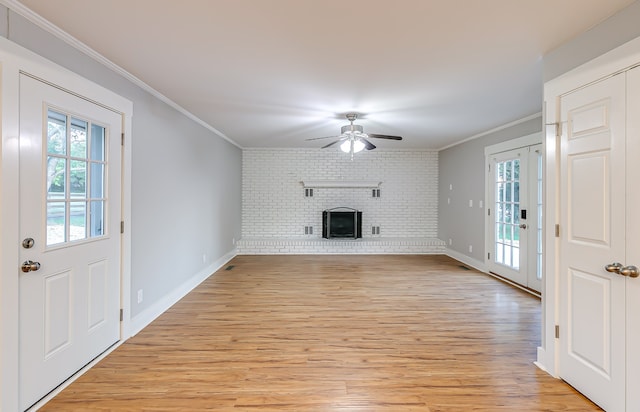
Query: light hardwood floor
x=333, y=333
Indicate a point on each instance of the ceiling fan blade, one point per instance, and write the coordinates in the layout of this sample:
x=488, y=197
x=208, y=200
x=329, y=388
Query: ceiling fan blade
x=367, y=144
x=331, y=144
x=318, y=138
x=384, y=136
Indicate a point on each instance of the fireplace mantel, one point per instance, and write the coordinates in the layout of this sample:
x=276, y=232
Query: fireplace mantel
x=340, y=184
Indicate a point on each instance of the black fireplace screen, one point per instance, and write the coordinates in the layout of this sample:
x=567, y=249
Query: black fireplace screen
x=341, y=223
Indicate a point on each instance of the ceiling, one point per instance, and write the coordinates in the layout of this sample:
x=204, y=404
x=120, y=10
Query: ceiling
x=275, y=73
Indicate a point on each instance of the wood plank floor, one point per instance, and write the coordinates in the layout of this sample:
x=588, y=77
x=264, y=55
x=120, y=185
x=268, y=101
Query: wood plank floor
x=333, y=333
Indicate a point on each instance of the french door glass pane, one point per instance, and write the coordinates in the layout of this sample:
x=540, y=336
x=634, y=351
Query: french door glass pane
x=507, y=216
x=539, y=217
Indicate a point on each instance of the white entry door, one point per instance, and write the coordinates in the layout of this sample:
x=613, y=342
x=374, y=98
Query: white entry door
x=592, y=235
x=515, y=215
x=70, y=203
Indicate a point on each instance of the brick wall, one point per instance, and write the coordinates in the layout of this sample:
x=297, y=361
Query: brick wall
x=274, y=205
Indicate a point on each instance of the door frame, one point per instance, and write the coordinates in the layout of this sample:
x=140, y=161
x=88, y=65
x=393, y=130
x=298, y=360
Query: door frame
x=490, y=151
x=13, y=60
x=615, y=61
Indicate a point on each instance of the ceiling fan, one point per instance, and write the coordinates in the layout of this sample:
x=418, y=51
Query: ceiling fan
x=353, y=138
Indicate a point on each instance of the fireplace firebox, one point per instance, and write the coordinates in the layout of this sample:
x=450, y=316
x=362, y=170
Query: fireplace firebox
x=342, y=222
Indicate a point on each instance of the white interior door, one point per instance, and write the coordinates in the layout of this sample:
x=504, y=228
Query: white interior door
x=70, y=203
x=508, y=214
x=592, y=235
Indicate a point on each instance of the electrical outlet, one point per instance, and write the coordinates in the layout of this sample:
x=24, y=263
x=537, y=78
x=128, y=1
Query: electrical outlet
x=450, y=242
x=470, y=202
x=204, y=258
x=480, y=204
x=470, y=249
x=140, y=297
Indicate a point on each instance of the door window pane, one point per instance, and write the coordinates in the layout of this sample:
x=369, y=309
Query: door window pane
x=76, y=178
x=78, y=220
x=97, y=142
x=78, y=138
x=56, y=223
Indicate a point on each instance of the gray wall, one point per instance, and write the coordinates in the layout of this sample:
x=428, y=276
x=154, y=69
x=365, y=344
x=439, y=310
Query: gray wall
x=611, y=33
x=462, y=167
x=186, y=181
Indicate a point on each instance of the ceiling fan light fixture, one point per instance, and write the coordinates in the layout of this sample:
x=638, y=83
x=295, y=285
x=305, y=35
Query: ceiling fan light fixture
x=358, y=146
x=352, y=128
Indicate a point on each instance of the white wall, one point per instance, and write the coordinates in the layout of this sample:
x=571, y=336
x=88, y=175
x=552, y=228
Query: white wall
x=273, y=202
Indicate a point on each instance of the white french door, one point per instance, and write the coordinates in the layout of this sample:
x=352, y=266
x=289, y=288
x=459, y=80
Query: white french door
x=514, y=218
x=70, y=208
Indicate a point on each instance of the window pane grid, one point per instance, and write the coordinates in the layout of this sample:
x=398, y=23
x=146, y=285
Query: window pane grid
x=76, y=178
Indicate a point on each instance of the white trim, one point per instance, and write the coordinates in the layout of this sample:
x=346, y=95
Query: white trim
x=13, y=59
x=474, y=263
x=147, y=316
x=481, y=267
x=36, y=19
x=340, y=184
x=496, y=129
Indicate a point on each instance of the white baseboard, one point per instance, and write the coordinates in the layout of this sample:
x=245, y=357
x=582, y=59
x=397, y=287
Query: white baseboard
x=474, y=263
x=148, y=315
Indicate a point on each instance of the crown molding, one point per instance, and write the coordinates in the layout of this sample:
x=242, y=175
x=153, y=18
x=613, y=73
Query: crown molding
x=497, y=129
x=41, y=22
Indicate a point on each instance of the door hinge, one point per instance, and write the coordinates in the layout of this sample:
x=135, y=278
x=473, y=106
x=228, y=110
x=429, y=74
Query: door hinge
x=489, y=256
x=558, y=129
x=488, y=212
x=122, y=226
x=122, y=139
x=557, y=230
x=121, y=315
x=557, y=331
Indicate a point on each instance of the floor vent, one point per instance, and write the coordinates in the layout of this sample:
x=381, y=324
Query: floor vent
x=229, y=267
x=464, y=267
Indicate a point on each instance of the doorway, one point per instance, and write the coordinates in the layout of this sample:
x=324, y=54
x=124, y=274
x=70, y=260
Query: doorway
x=514, y=211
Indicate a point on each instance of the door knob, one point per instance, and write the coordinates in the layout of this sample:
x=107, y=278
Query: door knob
x=523, y=225
x=631, y=271
x=29, y=266
x=613, y=267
